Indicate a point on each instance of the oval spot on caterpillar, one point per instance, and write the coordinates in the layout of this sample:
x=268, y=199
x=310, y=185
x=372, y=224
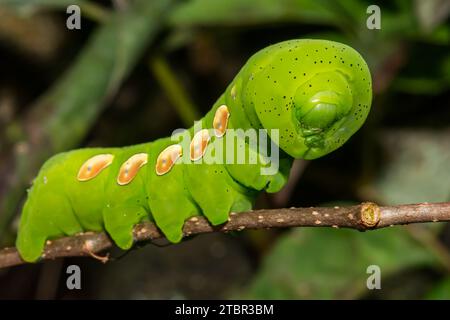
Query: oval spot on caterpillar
x=199, y=144
x=233, y=92
x=129, y=169
x=93, y=166
x=167, y=159
x=220, y=122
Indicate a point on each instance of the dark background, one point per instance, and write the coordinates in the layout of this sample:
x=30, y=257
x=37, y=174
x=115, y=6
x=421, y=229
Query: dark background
x=61, y=89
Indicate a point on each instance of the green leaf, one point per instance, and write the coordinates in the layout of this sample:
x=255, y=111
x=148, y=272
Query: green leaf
x=88, y=8
x=431, y=13
x=441, y=291
x=330, y=264
x=419, y=85
x=417, y=170
x=238, y=12
x=42, y=3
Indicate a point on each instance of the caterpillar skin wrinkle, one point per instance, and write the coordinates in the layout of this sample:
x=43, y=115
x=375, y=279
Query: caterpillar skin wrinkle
x=317, y=93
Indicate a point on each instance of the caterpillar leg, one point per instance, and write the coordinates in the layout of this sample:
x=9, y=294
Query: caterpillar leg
x=215, y=192
x=171, y=206
x=30, y=241
x=119, y=223
x=48, y=212
x=169, y=199
x=49, y=216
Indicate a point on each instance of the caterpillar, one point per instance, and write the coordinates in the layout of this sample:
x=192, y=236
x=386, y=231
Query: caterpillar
x=310, y=96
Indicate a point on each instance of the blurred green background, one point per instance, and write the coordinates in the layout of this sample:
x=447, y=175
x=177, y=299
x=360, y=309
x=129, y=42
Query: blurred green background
x=139, y=69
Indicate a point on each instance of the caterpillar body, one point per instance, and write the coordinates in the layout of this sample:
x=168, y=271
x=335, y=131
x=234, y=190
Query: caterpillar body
x=315, y=93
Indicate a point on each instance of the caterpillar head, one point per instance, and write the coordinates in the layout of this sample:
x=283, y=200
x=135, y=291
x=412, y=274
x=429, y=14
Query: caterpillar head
x=317, y=93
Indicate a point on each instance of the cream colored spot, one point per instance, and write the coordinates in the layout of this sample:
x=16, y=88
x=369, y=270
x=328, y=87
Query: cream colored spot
x=130, y=168
x=199, y=144
x=93, y=166
x=220, y=122
x=233, y=92
x=167, y=158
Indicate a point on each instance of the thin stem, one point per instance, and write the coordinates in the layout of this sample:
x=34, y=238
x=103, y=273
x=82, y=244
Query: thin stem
x=95, y=12
x=428, y=240
x=366, y=216
x=174, y=90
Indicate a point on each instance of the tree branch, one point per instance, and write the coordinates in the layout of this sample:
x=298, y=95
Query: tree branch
x=366, y=216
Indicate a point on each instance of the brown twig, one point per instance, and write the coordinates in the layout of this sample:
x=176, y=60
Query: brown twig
x=366, y=216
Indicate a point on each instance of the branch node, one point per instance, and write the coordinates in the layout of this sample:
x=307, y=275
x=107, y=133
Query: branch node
x=370, y=214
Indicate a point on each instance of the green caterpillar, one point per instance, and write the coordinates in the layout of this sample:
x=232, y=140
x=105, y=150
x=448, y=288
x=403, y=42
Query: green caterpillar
x=314, y=94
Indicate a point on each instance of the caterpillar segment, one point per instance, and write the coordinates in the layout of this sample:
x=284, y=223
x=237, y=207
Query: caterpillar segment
x=125, y=202
x=309, y=95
